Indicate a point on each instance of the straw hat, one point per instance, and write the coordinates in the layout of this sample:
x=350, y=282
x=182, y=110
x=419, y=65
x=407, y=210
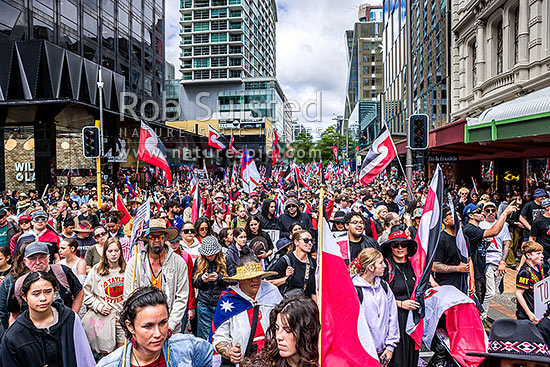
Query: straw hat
x=84, y=228
x=250, y=271
x=159, y=225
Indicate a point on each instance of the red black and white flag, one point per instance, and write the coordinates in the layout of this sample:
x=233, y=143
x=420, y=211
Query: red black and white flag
x=214, y=138
x=380, y=155
x=232, y=147
x=427, y=238
x=276, y=150
x=152, y=151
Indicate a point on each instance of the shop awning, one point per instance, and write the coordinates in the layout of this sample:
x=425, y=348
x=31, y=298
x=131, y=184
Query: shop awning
x=525, y=116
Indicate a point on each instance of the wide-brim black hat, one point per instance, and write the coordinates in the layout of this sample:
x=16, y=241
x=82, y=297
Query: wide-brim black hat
x=399, y=236
x=516, y=339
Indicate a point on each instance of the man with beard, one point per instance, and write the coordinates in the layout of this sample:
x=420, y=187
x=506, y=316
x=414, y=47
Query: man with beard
x=172, y=209
x=293, y=215
x=159, y=266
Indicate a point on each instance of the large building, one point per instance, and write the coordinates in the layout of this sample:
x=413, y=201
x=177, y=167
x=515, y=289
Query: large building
x=365, y=69
x=54, y=53
x=395, y=43
x=430, y=60
x=228, y=61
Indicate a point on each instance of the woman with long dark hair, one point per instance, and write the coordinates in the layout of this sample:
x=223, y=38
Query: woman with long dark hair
x=203, y=228
x=400, y=276
x=269, y=214
x=48, y=332
x=144, y=319
x=292, y=339
x=253, y=229
x=208, y=278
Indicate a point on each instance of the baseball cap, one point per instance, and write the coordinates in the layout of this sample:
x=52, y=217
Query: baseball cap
x=546, y=203
x=540, y=192
x=39, y=214
x=24, y=217
x=469, y=209
x=488, y=204
x=291, y=201
x=36, y=248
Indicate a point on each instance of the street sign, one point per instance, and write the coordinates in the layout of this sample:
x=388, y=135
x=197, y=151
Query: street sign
x=542, y=297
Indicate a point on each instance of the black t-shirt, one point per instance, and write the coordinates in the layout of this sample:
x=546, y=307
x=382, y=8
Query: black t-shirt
x=526, y=279
x=392, y=207
x=477, y=248
x=297, y=280
x=544, y=328
x=65, y=294
x=540, y=229
x=531, y=211
x=447, y=253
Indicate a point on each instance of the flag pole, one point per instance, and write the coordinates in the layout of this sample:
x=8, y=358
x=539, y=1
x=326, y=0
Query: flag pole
x=137, y=176
x=320, y=257
x=399, y=161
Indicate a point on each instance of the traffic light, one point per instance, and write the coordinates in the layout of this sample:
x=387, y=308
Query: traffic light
x=418, y=132
x=91, y=140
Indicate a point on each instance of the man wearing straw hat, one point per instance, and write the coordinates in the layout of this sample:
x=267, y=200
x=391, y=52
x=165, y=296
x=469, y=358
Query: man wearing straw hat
x=159, y=266
x=242, y=315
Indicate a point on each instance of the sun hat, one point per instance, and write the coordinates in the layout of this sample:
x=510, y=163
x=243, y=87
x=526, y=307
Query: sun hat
x=258, y=245
x=209, y=246
x=398, y=236
x=36, y=248
x=87, y=228
x=539, y=192
x=516, y=339
x=545, y=203
x=219, y=195
x=39, y=214
x=136, y=199
x=250, y=271
x=159, y=225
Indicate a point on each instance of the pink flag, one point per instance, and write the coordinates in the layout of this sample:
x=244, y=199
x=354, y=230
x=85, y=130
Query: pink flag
x=346, y=340
x=195, y=199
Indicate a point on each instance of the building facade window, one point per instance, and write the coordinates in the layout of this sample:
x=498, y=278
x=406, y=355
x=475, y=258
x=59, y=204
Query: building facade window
x=474, y=64
x=499, y=47
x=516, y=35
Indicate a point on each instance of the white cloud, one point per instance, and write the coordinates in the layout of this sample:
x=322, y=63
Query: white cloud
x=311, y=50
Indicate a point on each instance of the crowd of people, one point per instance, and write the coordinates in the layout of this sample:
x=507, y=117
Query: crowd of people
x=237, y=286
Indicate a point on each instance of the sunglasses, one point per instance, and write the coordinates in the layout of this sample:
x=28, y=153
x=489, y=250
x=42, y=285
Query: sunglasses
x=203, y=229
x=398, y=244
x=157, y=236
x=477, y=212
x=41, y=219
x=490, y=211
x=307, y=240
x=97, y=235
x=24, y=222
x=188, y=231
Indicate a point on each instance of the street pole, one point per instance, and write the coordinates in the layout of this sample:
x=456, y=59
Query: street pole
x=99, y=124
x=409, y=157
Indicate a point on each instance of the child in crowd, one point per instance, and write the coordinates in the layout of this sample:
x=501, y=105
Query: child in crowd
x=530, y=273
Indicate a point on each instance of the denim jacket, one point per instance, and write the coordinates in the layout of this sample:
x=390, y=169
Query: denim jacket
x=181, y=350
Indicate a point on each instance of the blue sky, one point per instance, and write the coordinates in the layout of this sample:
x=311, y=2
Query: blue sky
x=311, y=50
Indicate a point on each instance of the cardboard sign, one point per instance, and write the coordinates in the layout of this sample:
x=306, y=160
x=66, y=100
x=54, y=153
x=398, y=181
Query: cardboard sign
x=202, y=176
x=542, y=297
x=274, y=234
x=342, y=240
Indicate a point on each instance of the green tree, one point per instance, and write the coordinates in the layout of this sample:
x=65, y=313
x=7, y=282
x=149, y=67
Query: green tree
x=328, y=139
x=303, y=147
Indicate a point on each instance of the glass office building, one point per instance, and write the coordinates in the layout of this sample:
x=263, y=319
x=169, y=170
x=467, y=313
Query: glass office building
x=54, y=53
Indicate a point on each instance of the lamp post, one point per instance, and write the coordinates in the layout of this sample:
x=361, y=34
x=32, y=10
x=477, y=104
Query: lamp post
x=99, y=124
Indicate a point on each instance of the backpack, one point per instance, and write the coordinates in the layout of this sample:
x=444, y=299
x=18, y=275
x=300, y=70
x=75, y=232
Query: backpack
x=59, y=274
x=359, y=291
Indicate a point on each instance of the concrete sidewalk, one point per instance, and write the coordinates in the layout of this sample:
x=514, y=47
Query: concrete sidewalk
x=504, y=305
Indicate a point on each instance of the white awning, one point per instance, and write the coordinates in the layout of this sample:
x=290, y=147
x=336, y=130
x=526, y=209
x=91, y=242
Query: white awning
x=530, y=104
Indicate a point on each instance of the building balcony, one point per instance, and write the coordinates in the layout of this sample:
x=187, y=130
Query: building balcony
x=498, y=81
